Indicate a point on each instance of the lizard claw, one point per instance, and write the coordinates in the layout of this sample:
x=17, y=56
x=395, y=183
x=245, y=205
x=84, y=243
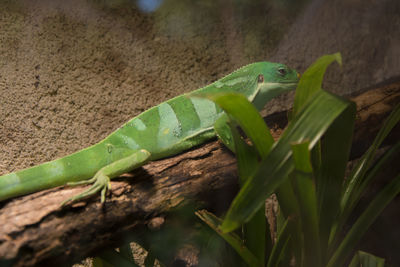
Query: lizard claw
x=100, y=181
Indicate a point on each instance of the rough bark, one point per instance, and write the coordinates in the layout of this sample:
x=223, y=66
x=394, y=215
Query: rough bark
x=34, y=230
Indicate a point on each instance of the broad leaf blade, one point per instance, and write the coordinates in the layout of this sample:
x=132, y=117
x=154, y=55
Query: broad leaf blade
x=243, y=113
x=335, y=152
x=311, y=123
x=255, y=230
x=307, y=198
x=246, y=155
x=311, y=80
x=224, y=132
x=247, y=116
x=364, y=259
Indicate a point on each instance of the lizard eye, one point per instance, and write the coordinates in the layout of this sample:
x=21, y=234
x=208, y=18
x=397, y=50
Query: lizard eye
x=282, y=71
x=260, y=78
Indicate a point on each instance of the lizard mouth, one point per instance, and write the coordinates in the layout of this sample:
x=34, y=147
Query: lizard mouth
x=291, y=81
x=277, y=84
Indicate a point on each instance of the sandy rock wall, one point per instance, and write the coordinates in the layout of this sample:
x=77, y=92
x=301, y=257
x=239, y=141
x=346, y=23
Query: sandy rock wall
x=367, y=33
x=71, y=72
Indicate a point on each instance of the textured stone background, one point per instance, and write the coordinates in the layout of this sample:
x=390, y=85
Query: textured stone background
x=367, y=33
x=71, y=72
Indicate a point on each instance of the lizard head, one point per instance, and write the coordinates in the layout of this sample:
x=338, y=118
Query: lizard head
x=272, y=79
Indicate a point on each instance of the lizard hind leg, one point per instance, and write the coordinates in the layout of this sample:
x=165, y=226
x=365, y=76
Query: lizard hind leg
x=101, y=180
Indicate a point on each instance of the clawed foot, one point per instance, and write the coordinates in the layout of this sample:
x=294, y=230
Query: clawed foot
x=100, y=182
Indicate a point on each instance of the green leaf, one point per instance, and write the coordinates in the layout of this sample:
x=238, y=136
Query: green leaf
x=301, y=157
x=307, y=198
x=311, y=80
x=309, y=84
x=255, y=235
x=387, y=156
x=232, y=238
x=289, y=208
x=223, y=132
x=255, y=230
x=364, y=259
x=335, y=151
x=364, y=222
x=310, y=124
x=279, y=249
x=381, y=163
x=247, y=116
x=356, y=179
x=246, y=155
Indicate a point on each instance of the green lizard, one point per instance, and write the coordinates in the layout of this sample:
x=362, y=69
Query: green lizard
x=164, y=130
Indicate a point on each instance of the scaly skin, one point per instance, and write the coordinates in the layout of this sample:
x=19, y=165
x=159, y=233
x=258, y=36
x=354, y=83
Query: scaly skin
x=164, y=130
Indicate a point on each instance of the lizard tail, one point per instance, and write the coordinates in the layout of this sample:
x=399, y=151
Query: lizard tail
x=75, y=167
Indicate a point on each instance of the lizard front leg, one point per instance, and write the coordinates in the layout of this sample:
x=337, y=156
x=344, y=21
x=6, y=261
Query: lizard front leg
x=101, y=180
x=223, y=131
